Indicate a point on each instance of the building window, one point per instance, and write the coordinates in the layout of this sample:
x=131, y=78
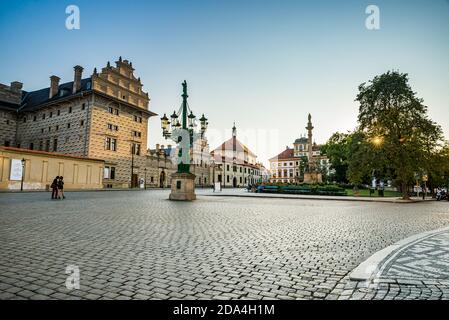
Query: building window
x=43, y=116
x=116, y=128
x=34, y=118
x=7, y=143
x=136, y=134
x=70, y=109
x=110, y=110
x=111, y=144
x=57, y=128
x=109, y=126
x=109, y=172
x=82, y=123
x=83, y=106
x=68, y=125
x=116, y=112
x=47, y=146
x=227, y=178
x=59, y=112
x=135, y=148
x=51, y=114
x=31, y=146
x=55, y=145
x=7, y=121
x=42, y=130
x=49, y=129
x=24, y=119
x=227, y=168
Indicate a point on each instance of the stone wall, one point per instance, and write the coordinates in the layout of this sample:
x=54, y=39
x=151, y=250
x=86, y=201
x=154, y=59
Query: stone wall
x=68, y=122
x=126, y=123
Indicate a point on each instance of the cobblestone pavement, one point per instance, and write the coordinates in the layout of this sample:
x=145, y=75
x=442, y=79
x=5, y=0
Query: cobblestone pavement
x=138, y=245
x=416, y=270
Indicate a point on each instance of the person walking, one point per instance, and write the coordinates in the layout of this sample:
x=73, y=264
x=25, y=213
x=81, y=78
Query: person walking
x=61, y=188
x=54, y=188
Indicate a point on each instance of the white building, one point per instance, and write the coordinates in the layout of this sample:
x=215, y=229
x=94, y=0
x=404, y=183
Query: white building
x=286, y=166
x=234, y=165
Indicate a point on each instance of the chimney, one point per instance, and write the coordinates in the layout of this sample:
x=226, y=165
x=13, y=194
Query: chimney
x=77, y=79
x=54, y=86
x=16, y=86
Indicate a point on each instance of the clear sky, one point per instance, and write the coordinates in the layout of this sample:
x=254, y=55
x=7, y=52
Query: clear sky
x=262, y=63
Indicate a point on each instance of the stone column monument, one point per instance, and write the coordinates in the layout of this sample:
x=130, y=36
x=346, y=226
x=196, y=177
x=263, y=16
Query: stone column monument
x=311, y=175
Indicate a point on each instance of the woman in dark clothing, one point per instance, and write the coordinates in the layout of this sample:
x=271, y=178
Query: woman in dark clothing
x=61, y=188
x=54, y=188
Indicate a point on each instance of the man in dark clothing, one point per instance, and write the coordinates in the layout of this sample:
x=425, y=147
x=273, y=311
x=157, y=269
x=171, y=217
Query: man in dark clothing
x=54, y=188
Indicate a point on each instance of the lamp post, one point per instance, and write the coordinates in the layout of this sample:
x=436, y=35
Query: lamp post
x=23, y=170
x=182, y=126
x=132, y=163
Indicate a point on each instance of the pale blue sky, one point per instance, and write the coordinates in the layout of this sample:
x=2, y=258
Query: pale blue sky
x=264, y=64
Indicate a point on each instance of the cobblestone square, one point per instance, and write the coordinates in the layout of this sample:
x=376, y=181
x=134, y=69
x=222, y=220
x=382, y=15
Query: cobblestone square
x=139, y=245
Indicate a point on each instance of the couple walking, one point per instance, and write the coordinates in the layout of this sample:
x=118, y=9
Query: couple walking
x=57, y=188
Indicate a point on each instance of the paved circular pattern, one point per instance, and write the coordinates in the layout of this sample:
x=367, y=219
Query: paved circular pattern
x=138, y=245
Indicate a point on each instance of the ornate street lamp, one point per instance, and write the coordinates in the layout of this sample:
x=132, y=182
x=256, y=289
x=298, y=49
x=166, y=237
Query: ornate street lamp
x=181, y=129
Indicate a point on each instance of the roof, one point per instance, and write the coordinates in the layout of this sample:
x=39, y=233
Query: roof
x=229, y=145
x=34, y=100
x=286, y=154
x=31, y=101
x=301, y=140
x=45, y=153
x=8, y=106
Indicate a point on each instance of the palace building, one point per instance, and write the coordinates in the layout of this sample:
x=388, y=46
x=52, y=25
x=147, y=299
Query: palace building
x=102, y=116
x=289, y=165
x=234, y=164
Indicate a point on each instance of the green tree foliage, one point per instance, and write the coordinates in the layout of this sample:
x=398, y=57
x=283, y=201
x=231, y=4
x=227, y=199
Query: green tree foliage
x=397, y=137
x=337, y=151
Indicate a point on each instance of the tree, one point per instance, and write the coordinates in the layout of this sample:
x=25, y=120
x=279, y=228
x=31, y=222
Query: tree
x=395, y=122
x=337, y=151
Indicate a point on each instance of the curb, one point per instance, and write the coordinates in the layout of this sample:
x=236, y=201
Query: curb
x=320, y=198
x=374, y=265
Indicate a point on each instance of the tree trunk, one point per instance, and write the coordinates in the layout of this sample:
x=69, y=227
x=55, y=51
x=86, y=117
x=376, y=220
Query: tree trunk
x=405, y=195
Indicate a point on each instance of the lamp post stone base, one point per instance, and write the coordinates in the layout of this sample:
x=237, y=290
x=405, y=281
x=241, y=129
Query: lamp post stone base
x=182, y=187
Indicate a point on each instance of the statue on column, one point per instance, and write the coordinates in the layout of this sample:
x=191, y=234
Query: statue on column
x=312, y=175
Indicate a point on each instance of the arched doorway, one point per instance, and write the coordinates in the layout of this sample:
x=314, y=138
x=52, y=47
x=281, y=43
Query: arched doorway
x=234, y=182
x=162, y=179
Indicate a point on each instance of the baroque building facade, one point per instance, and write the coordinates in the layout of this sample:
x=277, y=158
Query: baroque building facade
x=234, y=164
x=289, y=165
